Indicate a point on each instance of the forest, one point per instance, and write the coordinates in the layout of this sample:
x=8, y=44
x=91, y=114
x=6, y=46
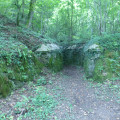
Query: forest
x=59, y=59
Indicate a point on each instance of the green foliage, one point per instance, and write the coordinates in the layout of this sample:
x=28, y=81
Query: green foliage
x=37, y=104
x=112, y=61
x=40, y=107
x=41, y=81
x=107, y=65
x=65, y=21
x=110, y=42
x=43, y=105
x=17, y=62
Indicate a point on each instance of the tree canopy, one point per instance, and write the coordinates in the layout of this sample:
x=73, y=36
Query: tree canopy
x=65, y=20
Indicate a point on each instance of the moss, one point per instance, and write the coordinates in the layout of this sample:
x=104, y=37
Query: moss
x=105, y=68
x=86, y=63
x=55, y=62
x=102, y=70
x=112, y=62
x=5, y=85
x=3, y=66
x=109, y=54
x=108, y=68
x=21, y=69
x=38, y=65
x=50, y=62
x=98, y=71
x=89, y=65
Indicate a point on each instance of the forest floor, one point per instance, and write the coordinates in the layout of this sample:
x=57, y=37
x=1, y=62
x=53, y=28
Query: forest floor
x=83, y=100
x=77, y=98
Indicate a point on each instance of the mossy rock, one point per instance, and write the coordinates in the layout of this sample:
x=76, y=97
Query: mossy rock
x=38, y=65
x=3, y=66
x=22, y=68
x=26, y=71
x=86, y=63
x=113, y=66
x=98, y=71
x=5, y=85
x=107, y=58
x=52, y=60
x=106, y=68
x=89, y=65
x=102, y=70
x=55, y=62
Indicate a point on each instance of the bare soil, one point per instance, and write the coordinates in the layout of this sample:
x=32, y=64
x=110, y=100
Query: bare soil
x=78, y=101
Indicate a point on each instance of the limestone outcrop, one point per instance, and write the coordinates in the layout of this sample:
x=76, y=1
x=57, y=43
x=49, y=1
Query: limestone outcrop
x=102, y=58
x=51, y=56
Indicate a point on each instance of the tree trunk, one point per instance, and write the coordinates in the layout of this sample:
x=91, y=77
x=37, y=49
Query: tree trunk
x=18, y=12
x=113, y=18
x=105, y=17
x=31, y=13
x=71, y=27
x=41, y=22
x=17, y=19
x=100, y=18
x=23, y=5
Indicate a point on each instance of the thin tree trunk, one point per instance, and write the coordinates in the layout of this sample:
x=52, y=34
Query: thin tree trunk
x=105, y=17
x=17, y=19
x=113, y=24
x=23, y=5
x=42, y=22
x=100, y=18
x=71, y=29
x=31, y=13
x=18, y=13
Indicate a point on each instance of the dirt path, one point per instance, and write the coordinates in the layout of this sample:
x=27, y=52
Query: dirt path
x=77, y=101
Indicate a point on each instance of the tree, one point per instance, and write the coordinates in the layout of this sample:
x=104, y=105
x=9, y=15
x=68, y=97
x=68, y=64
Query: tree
x=68, y=20
x=31, y=12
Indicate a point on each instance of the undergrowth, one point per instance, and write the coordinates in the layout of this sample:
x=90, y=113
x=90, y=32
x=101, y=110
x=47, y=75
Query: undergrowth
x=17, y=62
x=109, y=90
x=106, y=59
x=37, y=106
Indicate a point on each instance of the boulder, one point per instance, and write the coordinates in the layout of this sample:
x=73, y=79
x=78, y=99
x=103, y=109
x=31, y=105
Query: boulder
x=18, y=64
x=91, y=54
x=48, y=47
x=51, y=56
x=92, y=47
x=102, y=58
